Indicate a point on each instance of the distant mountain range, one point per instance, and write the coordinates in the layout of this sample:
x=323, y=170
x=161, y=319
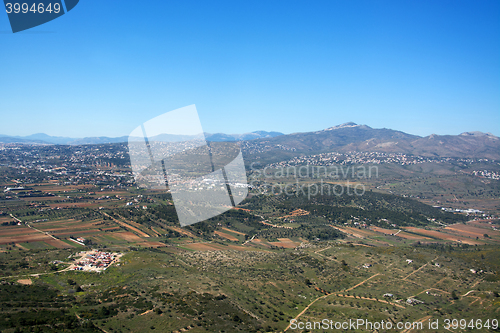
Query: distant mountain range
x=352, y=137
x=276, y=146
x=42, y=138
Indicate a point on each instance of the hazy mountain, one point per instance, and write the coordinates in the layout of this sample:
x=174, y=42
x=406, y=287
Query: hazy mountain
x=353, y=137
x=10, y=139
x=97, y=140
x=41, y=138
x=275, y=146
x=241, y=137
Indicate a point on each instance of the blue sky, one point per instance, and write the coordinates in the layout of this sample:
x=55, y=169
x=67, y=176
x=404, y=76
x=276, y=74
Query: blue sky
x=104, y=68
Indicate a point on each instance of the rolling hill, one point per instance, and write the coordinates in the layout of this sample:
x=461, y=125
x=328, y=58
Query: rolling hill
x=352, y=137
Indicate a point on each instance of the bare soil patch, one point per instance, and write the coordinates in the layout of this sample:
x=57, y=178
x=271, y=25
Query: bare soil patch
x=224, y=235
x=355, y=232
x=128, y=236
x=239, y=248
x=152, y=244
x=73, y=204
x=25, y=238
x=297, y=212
x=78, y=226
x=236, y=232
x=49, y=198
x=26, y=282
x=286, y=243
x=443, y=235
x=75, y=233
x=257, y=241
x=21, y=231
x=202, y=247
x=109, y=229
x=398, y=233
x=246, y=210
x=469, y=230
x=384, y=231
x=58, y=243
x=181, y=231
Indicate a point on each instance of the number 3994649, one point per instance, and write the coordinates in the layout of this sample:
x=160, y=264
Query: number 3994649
x=35, y=8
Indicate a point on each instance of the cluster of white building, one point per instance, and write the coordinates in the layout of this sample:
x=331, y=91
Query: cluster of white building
x=95, y=261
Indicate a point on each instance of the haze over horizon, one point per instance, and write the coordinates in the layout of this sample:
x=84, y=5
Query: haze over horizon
x=320, y=130
x=418, y=67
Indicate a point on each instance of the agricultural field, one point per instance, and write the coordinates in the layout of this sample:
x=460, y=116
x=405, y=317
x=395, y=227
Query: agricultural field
x=273, y=261
x=254, y=290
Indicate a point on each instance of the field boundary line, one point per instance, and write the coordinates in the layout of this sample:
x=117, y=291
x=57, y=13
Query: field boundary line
x=371, y=277
x=303, y=311
x=419, y=268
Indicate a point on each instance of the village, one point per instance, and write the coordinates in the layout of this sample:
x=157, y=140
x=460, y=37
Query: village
x=95, y=261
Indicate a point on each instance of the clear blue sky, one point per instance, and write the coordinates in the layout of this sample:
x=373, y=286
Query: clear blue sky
x=104, y=68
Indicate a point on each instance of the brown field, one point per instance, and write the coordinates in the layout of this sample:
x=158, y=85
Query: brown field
x=137, y=226
x=182, y=231
x=401, y=234
x=18, y=230
x=58, y=222
x=227, y=236
x=297, y=212
x=384, y=231
x=41, y=198
x=202, y=247
x=236, y=232
x=140, y=232
x=21, y=231
x=119, y=193
x=359, y=233
x=406, y=235
x=443, y=236
x=128, y=236
x=257, y=241
x=64, y=234
x=286, y=243
x=6, y=219
x=152, y=244
x=74, y=204
x=67, y=227
x=215, y=247
x=25, y=281
x=130, y=225
x=482, y=223
x=57, y=243
x=61, y=188
x=239, y=248
x=21, y=247
x=109, y=229
x=25, y=238
x=59, y=225
x=466, y=230
x=246, y=210
x=156, y=232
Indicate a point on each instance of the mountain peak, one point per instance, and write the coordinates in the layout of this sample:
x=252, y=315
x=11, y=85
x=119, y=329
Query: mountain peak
x=479, y=134
x=346, y=125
